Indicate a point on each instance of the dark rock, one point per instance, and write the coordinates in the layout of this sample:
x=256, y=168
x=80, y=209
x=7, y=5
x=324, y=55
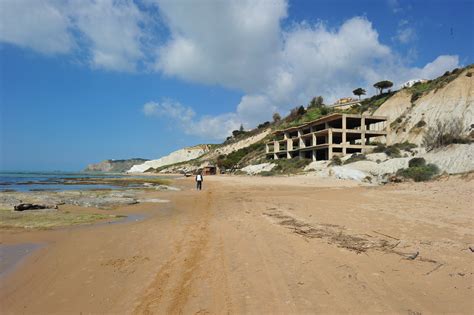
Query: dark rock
x=395, y=179
x=31, y=206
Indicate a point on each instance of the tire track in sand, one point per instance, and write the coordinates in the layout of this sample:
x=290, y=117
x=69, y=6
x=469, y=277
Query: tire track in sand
x=193, y=259
x=173, y=282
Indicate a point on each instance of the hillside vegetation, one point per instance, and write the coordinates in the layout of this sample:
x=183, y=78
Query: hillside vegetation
x=413, y=113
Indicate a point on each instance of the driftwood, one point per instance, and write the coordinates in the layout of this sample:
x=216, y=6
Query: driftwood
x=32, y=206
x=434, y=269
x=387, y=235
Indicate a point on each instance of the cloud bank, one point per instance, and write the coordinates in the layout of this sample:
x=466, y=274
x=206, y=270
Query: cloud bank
x=236, y=44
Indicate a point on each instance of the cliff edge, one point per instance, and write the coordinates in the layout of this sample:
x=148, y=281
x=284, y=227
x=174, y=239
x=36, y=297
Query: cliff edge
x=113, y=166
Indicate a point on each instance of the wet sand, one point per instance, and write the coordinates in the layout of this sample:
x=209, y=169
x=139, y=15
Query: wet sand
x=260, y=245
x=11, y=256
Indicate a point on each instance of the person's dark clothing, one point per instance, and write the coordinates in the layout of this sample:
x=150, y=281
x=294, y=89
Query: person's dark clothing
x=199, y=180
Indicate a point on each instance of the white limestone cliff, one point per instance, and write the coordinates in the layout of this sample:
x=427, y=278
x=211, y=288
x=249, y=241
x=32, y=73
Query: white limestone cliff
x=182, y=155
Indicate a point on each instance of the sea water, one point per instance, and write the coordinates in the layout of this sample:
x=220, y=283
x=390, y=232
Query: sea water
x=41, y=181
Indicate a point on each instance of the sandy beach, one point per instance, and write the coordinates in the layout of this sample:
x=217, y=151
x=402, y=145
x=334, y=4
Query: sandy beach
x=256, y=245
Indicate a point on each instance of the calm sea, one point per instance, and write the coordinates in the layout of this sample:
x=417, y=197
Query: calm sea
x=31, y=181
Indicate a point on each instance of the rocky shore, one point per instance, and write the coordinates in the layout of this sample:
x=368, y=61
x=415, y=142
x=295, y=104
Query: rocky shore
x=129, y=191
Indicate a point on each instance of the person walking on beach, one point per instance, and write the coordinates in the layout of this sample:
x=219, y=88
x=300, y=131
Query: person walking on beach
x=199, y=180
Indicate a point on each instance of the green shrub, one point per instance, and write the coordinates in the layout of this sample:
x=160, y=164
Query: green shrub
x=355, y=157
x=313, y=113
x=420, y=124
x=290, y=166
x=407, y=146
x=416, y=162
x=374, y=102
x=232, y=159
x=444, y=133
x=416, y=95
x=263, y=125
x=392, y=151
x=381, y=147
x=397, y=121
x=419, y=173
x=469, y=74
x=422, y=88
x=267, y=173
x=324, y=111
x=336, y=160
x=316, y=102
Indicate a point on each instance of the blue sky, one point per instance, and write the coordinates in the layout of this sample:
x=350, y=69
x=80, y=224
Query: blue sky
x=84, y=81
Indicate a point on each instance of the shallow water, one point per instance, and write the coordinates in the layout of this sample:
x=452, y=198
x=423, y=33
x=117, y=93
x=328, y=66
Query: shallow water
x=12, y=255
x=53, y=181
x=129, y=218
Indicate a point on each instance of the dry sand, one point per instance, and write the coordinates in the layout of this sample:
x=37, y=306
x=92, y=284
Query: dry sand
x=260, y=246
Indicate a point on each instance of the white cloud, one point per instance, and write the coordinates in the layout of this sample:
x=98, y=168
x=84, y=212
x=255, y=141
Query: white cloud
x=39, y=25
x=324, y=61
x=169, y=108
x=109, y=31
x=113, y=31
x=310, y=60
x=395, y=6
x=405, y=32
x=435, y=68
x=406, y=35
x=185, y=119
x=230, y=43
x=236, y=43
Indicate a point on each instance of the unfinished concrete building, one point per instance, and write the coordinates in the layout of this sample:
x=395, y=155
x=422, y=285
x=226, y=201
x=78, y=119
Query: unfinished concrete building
x=321, y=139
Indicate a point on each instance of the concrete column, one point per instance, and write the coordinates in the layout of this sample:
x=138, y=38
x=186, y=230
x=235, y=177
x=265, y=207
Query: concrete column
x=289, y=145
x=344, y=128
x=314, y=140
x=330, y=144
x=267, y=148
x=313, y=155
x=362, y=129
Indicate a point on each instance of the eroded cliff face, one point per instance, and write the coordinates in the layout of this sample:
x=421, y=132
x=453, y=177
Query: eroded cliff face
x=182, y=155
x=113, y=166
x=410, y=120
